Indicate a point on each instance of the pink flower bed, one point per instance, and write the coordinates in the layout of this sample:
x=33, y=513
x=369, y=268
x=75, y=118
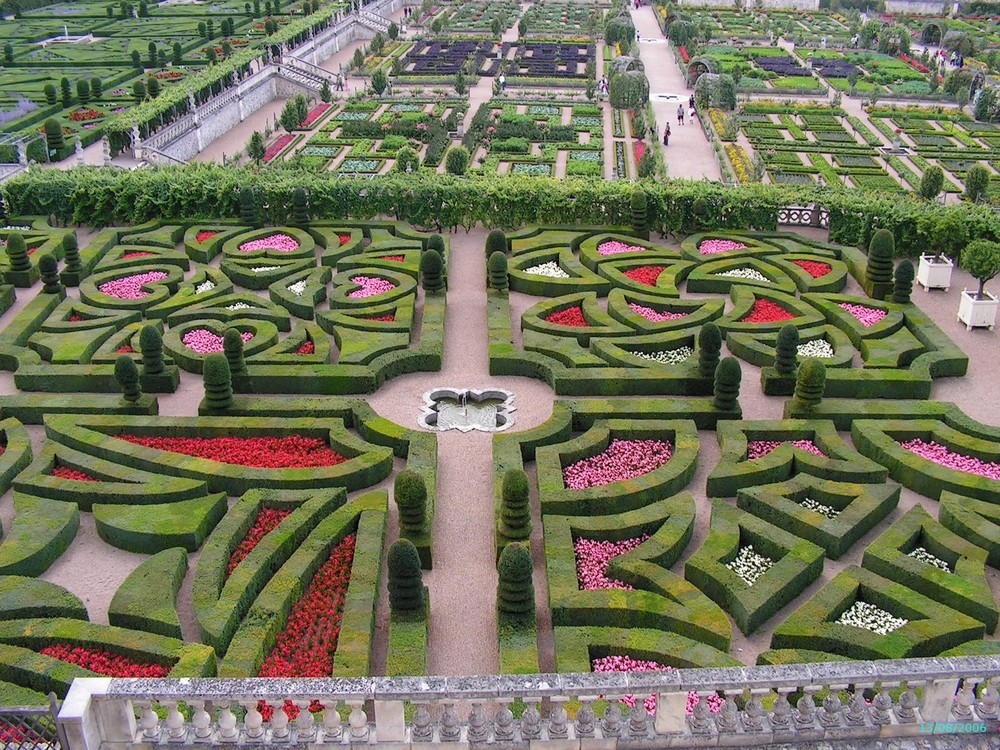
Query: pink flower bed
x=623, y=459
x=614, y=247
x=203, y=341
x=940, y=455
x=593, y=557
x=628, y=664
x=654, y=315
x=711, y=247
x=280, y=243
x=130, y=287
x=370, y=286
x=760, y=448
x=136, y=254
x=867, y=316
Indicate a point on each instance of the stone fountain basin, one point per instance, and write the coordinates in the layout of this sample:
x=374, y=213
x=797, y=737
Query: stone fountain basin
x=466, y=409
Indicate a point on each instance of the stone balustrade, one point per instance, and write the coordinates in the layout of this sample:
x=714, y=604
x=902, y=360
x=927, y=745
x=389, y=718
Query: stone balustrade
x=836, y=702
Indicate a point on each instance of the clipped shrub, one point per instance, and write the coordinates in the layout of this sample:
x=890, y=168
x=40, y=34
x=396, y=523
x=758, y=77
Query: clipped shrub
x=786, y=350
x=51, y=94
x=728, y=376
x=810, y=384
x=496, y=242
x=71, y=252
x=432, y=272
x=50, y=274
x=218, y=382
x=151, y=344
x=878, y=274
x=410, y=492
x=435, y=242
x=515, y=591
x=127, y=375
x=709, y=347
x=83, y=91
x=456, y=161
x=232, y=347
x=902, y=282
x=515, y=507
x=497, y=272
x=931, y=183
x=406, y=587
x=981, y=258
x=17, y=252
x=639, y=204
x=54, y=139
x=300, y=206
x=407, y=157
x=977, y=182
x=249, y=213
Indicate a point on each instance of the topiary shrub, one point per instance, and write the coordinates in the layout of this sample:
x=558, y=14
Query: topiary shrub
x=435, y=242
x=406, y=586
x=432, y=272
x=497, y=272
x=17, y=252
x=496, y=242
x=728, y=376
x=151, y=344
x=786, y=350
x=232, y=347
x=54, y=138
x=218, y=382
x=300, y=207
x=407, y=156
x=810, y=384
x=709, y=347
x=456, y=161
x=902, y=282
x=127, y=375
x=878, y=275
x=410, y=492
x=71, y=252
x=639, y=204
x=515, y=591
x=515, y=507
x=249, y=212
x=977, y=182
x=50, y=274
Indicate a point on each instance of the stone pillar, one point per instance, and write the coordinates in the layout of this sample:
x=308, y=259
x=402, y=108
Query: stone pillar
x=136, y=143
x=89, y=721
x=106, y=150
x=22, y=154
x=938, y=697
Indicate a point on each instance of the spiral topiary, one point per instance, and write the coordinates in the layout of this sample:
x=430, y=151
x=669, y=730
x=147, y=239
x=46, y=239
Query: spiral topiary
x=497, y=272
x=515, y=507
x=71, y=252
x=151, y=344
x=810, y=385
x=17, y=252
x=728, y=376
x=786, y=350
x=406, y=586
x=232, y=346
x=431, y=272
x=640, y=213
x=50, y=274
x=709, y=347
x=902, y=282
x=515, y=591
x=410, y=493
x=878, y=275
x=496, y=242
x=218, y=382
x=127, y=375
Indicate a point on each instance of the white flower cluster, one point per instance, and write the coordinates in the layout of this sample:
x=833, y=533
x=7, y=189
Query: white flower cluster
x=668, y=356
x=745, y=273
x=298, y=288
x=749, y=566
x=870, y=617
x=265, y=269
x=239, y=306
x=205, y=286
x=17, y=228
x=817, y=507
x=820, y=349
x=550, y=269
x=924, y=556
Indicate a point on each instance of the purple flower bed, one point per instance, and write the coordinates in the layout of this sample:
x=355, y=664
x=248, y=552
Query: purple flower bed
x=942, y=456
x=593, y=557
x=551, y=59
x=833, y=68
x=783, y=65
x=623, y=459
x=760, y=448
x=443, y=58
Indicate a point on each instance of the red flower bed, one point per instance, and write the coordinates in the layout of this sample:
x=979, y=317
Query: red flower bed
x=267, y=520
x=136, y=254
x=314, y=114
x=277, y=147
x=85, y=115
x=308, y=642
x=344, y=238
x=168, y=75
x=914, y=63
x=64, y=472
x=74, y=318
x=126, y=349
x=813, y=267
x=207, y=234
x=289, y=452
x=640, y=150
x=684, y=54
x=307, y=348
x=104, y=662
x=645, y=274
x=765, y=311
x=571, y=316
x=393, y=258
x=390, y=318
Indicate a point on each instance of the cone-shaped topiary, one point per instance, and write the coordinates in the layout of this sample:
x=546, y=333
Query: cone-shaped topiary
x=728, y=376
x=709, y=346
x=410, y=492
x=515, y=507
x=218, y=382
x=496, y=242
x=640, y=213
x=50, y=274
x=810, y=384
x=71, y=252
x=249, y=211
x=151, y=344
x=431, y=272
x=878, y=276
x=127, y=375
x=515, y=591
x=786, y=350
x=406, y=586
x=497, y=272
x=17, y=252
x=902, y=282
x=300, y=206
x=232, y=346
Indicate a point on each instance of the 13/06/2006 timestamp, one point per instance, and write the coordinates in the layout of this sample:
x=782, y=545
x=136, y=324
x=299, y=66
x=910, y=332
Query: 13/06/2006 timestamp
x=938, y=727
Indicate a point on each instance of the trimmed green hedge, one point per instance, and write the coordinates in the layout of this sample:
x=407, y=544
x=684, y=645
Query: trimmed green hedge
x=17, y=451
x=156, y=527
x=146, y=600
x=22, y=597
x=974, y=520
x=42, y=530
x=407, y=654
x=577, y=647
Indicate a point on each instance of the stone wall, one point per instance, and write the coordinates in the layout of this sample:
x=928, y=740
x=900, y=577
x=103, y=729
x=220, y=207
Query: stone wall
x=919, y=7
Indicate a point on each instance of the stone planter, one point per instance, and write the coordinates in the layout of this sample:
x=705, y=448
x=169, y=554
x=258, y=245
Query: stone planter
x=977, y=313
x=934, y=272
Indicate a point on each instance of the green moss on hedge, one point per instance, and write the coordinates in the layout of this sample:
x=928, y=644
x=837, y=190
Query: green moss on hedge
x=146, y=600
x=22, y=597
x=156, y=527
x=43, y=529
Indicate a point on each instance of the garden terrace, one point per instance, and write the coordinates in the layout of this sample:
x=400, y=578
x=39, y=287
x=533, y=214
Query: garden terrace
x=478, y=16
x=444, y=57
x=555, y=18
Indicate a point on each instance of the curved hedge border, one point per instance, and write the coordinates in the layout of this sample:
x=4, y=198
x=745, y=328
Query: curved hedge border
x=743, y=300
x=22, y=597
x=577, y=647
x=974, y=520
x=146, y=599
x=696, y=312
x=673, y=273
x=581, y=278
x=265, y=335
x=707, y=279
x=17, y=451
x=217, y=308
x=187, y=295
x=157, y=292
x=652, y=253
x=301, y=305
x=156, y=527
x=42, y=530
x=242, y=270
x=758, y=349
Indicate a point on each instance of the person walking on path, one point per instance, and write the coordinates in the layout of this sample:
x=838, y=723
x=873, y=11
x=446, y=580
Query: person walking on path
x=666, y=135
x=680, y=114
x=691, y=115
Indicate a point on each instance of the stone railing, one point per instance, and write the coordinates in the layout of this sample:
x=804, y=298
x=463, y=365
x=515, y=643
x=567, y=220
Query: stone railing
x=755, y=706
x=804, y=216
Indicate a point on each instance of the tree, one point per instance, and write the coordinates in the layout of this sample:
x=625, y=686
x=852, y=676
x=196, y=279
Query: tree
x=407, y=157
x=66, y=91
x=51, y=95
x=210, y=28
x=728, y=376
x=709, y=348
x=325, y=94
x=54, y=139
x=393, y=31
x=358, y=60
x=256, y=148
x=151, y=52
x=460, y=85
x=931, y=183
x=495, y=27
x=515, y=504
x=96, y=88
x=17, y=252
x=619, y=28
x=380, y=81
x=49, y=269
x=432, y=272
x=211, y=55
x=878, y=274
x=977, y=182
x=406, y=585
x=232, y=347
x=639, y=205
x=902, y=282
x=981, y=258
x=218, y=382
x=83, y=90
x=127, y=375
x=786, y=350
x=437, y=25
x=202, y=30
x=810, y=385
x=151, y=346
x=377, y=43
x=410, y=493
x=628, y=90
x=153, y=87
x=496, y=242
x=136, y=59
x=496, y=269
x=457, y=160
x=71, y=252
x=178, y=54
x=139, y=91
x=143, y=9
x=515, y=590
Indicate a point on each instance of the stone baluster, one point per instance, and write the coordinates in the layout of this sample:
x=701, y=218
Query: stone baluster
x=700, y=720
x=833, y=707
x=333, y=730
x=451, y=726
x=504, y=726
x=906, y=711
x=423, y=725
x=989, y=698
x=305, y=724
x=201, y=721
x=805, y=710
x=479, y=723
x=358, y=721
x=279, y=722
x=585, y=717
x=611, y=722
x=881, y=708
x=531, y=721
x=558, y=719
x=227, y=724
x=177, y=728
x=253, y=722
x=781, y=714
x=149, y=722
x=638, y=720
x=754, y=716
x=727, y=721
x=965, y=699
x=856, y=708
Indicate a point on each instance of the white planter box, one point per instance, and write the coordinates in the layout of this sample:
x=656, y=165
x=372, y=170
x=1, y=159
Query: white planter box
x=977, y=313
x=934, y=273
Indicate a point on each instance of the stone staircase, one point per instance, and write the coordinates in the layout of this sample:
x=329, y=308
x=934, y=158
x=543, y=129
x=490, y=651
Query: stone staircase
x=305, y=74
x=373, y=21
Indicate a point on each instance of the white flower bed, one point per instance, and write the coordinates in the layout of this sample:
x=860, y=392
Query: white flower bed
x=265, y=269
x=749, y=566
x=298, y=288
x=205, y=286
x=870, y=617
x=239, y=306
x=550, y=269
x=817, y=507
x=819, y=349
x=668, y=356
x=924, y=556
x=748, y=274
x=16, y=228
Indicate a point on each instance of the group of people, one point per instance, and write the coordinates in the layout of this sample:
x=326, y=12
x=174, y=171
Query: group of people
x=602, y=86
x=680, y=119
x=955, y=60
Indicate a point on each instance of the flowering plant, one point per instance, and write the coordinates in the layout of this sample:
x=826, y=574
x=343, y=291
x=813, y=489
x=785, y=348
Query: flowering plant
x=64, y=472
x=668, y=356
x=370, y=286
x=942, y=456
x=204, y=235
x=131, y=287
x=766, y=311
x=280, y=243
x=868, y=616
x=749, y=274
x=622, y=459
x=628, y=664
x=867, y=316
x=711, y=247
x=760, y=448
x=920, y=553
x=387, y=318
x=571, y=316
x=205, y=286
x=817, y=507
x=136, y=254
x=814, y=268
x=654, y=315
x=307, y=348
x=593, y=557
x=550, y=269
x=344, y=238
x=645, y=274
x=288, y=452
x=819, y=349
x=614, y=247
x=104, y=662
x=266, y=522
x=125, y=349
x=394, y=258
x=84, y=115
x=749, y=565
x=203, y=341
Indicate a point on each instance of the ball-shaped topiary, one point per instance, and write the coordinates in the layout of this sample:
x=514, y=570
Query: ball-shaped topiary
x=880, y=252
x=127, y=375
x=232, y=346
x=515, y=591
x=515, y=507
x=432, y=272
x=406, y=587
x=410, y=493
x=810, y=385
x=496, y=242
x=71, y=252
x=17, y=252
x=497, y=272
x=151, y=345
x=728, y=376
x=639, y=204
x=786, y=350
x=709, y=347
x=456, y=161
x=49, y=268
x=435, y=242
x=902, y=282
x=218, y=382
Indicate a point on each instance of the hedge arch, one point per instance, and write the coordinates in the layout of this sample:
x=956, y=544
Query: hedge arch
x=933, y=32
x=698, y=66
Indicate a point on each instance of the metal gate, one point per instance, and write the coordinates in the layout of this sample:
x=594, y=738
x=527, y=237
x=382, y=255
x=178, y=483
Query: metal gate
x=32, y=727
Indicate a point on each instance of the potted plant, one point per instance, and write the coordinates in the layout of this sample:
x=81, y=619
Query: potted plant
x=947, y=234
x=981, y=258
